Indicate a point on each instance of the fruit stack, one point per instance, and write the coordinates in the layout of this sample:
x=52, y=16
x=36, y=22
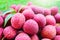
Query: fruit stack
x=30, y=22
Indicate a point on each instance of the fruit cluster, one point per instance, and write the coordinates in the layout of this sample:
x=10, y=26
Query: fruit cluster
x=30, y=23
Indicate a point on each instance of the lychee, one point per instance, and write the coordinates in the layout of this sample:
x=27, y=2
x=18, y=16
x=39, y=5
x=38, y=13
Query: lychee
x=46, y=39
x=22, y=36
x=34, y=37
x=48, y=31
x=1, y=20
x=30, y=27
x=9, y=32
x=50, y=20
x=54, y=10
x=17, y=20
x=28, y=13
x=57, y=17
x=40, y=19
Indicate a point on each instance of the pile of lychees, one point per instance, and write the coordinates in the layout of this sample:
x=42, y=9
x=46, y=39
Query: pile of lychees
x=30, y=23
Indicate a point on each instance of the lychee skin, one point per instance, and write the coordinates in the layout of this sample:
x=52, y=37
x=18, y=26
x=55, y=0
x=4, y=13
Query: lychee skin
x=9, y=32
x=50, y=20
x=28, y=13
x=22, y=36
x=47, y=12
x=1, y=20
x=57, y=17
x=40, y=19
x=1, y=32
x=58, y=30
x=46, y=39
x=35, y=37
x=36, y=9
x=54, y=10
x=57, y=37
x=30, y=27
x=17, y=20
x=48, y=31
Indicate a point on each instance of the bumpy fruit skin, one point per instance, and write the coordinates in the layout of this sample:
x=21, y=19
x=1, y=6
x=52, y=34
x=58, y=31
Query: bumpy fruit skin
x=17, y=20
x=40, y=19
x=46, y=39
x=57, y=17
x=48, y=31
x=30, y=27
x=9, y=32
x=1, y=32
x=47, y=12
x=22, y=36
x=37, y=9
x=35, y=37
x=54, y=10
x=57, y=37
x=1, y=20
x=50, y=20
x=28, y=13
x=58, y=30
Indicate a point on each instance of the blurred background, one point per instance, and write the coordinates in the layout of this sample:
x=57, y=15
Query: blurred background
x=5, y=4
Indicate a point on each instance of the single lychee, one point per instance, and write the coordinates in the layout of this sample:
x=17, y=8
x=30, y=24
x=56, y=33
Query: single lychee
x=30, y=27
x=9, y=32
x=48, y=31
x=22, y=36
x=17, y=20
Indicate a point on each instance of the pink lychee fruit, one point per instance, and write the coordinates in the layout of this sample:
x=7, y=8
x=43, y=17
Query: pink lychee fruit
x=13, y=6
x=57, y=37
x=58, y=30
x=54, y=10
x=30, y=27
x=17, y=20
x=37, y=9
x=57, y=17
x=34, y=37
x=48, y=31
x=47, y=12
x=50, y=20
x=46, y=39
x=28, y=13
x=22, y=36
x=40, y=19
x=9, y=32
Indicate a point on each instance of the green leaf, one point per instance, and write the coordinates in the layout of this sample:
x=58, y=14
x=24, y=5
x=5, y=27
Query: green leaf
x=9, y=11
x=7, y=18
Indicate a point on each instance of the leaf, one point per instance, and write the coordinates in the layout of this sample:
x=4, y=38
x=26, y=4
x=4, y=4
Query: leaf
x=9, y=11
x=7, y=18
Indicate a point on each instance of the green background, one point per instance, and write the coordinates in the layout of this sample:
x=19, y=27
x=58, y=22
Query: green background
x=5, y=4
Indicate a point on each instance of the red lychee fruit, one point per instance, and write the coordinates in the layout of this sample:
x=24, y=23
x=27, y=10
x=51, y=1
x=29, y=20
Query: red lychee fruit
x=9, y=32
x=57, y=17
x=17, y=20
x=57, y=37
x=30, y=27
x=54, y=10
x=1, y=32
x=28, y=13
x=58, y=30
x=40, y=19
x=34, y=37
x=48, y=31
x=37, y=9
x=47, y=12
x=22, y=36
x=46, y=39
x=50, y=20
x=1, y=20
